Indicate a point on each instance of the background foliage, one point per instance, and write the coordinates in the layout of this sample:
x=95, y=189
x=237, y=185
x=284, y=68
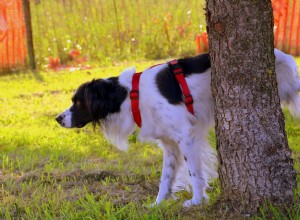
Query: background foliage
x=107, y=31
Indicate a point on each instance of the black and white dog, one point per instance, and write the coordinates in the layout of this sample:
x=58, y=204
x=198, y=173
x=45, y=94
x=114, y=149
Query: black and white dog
x=165, y=118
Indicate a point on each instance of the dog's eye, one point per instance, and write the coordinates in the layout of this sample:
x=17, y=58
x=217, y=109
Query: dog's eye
x=77, y=103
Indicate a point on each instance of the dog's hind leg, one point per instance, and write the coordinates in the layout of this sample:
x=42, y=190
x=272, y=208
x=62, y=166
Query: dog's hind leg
x=198, y=177
x=171, y=163
x=200, y=161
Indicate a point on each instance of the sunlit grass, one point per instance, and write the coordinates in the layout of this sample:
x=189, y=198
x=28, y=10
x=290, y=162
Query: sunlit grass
x=49, y=172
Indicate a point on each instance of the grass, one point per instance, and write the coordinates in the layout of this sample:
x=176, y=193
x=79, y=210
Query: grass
x=48, y=172
x=106, y=31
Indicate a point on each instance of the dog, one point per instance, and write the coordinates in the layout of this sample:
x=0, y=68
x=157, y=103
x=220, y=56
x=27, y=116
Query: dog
x=165, y=118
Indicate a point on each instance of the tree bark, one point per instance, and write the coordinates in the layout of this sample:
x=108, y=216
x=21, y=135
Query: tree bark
x=255, y=162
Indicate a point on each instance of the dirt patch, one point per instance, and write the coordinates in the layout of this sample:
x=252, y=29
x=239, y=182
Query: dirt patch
x=91, y=176
x=121, y=189
x=77, y=175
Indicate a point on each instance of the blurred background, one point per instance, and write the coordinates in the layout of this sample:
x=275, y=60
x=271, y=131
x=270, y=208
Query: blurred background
x=81, y=34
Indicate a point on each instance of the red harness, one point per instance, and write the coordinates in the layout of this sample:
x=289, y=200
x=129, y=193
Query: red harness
x=134, y=93
x=134, y=97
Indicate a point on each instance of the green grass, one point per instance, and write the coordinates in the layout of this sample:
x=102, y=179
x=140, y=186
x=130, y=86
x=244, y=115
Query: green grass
x=105, y=33
x=48, y=172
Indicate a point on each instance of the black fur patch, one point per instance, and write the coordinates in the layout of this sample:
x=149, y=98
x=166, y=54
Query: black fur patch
x=194, y=65
x=97, y=99
x=167, y=83
x=168, y=86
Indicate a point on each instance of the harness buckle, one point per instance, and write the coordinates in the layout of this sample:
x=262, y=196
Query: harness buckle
x=134, y=94
x=188, y=99
x=178, y=71
x=176, y=68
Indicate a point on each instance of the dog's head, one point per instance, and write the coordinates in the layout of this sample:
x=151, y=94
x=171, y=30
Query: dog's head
x=92, y=102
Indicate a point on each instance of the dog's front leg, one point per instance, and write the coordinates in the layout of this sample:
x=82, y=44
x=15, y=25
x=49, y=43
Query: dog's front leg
x=171, y=164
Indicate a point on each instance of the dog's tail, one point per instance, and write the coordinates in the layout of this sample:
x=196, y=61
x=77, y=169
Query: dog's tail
x=288, y=82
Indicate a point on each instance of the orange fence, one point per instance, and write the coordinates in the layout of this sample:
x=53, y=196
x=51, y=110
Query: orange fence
x=287, y=25
x=12, y=36
x=13, y=52
x=286, y=28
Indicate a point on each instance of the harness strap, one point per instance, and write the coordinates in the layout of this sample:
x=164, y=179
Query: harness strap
x=178, y=72
x=134, y=97
x=134, y=93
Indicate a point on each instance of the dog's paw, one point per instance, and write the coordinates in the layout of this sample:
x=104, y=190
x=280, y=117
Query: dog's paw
x=153, y=205
x=174, y=197
x=150, y=206
x=205, y=199
x=191, y=202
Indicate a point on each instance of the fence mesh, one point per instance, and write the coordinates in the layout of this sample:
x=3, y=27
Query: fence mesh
x=286, y=28
x=67, y=33
x=287, y=25
x=110, y=31
x=12, y=36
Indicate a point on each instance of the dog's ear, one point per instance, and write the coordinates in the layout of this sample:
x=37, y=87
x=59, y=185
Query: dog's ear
x=103, y=97
x=95, y=99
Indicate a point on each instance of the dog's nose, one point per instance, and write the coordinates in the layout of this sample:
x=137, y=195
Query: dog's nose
x=59, y=118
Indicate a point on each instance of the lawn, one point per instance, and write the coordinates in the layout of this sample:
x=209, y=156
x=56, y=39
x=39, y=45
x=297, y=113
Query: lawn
x=49, y=172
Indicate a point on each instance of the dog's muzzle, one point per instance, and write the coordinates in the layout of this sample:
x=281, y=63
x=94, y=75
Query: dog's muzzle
x=64, y=119
x=59, y=119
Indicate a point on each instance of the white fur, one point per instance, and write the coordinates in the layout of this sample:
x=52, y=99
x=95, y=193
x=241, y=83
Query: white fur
x=115, y=133
x=288, y=81
x=67, y=118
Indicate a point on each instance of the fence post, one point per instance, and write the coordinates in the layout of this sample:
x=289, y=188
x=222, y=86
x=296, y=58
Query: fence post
x=29, y=39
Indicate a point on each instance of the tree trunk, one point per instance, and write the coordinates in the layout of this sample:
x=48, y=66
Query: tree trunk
x=255, y=162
